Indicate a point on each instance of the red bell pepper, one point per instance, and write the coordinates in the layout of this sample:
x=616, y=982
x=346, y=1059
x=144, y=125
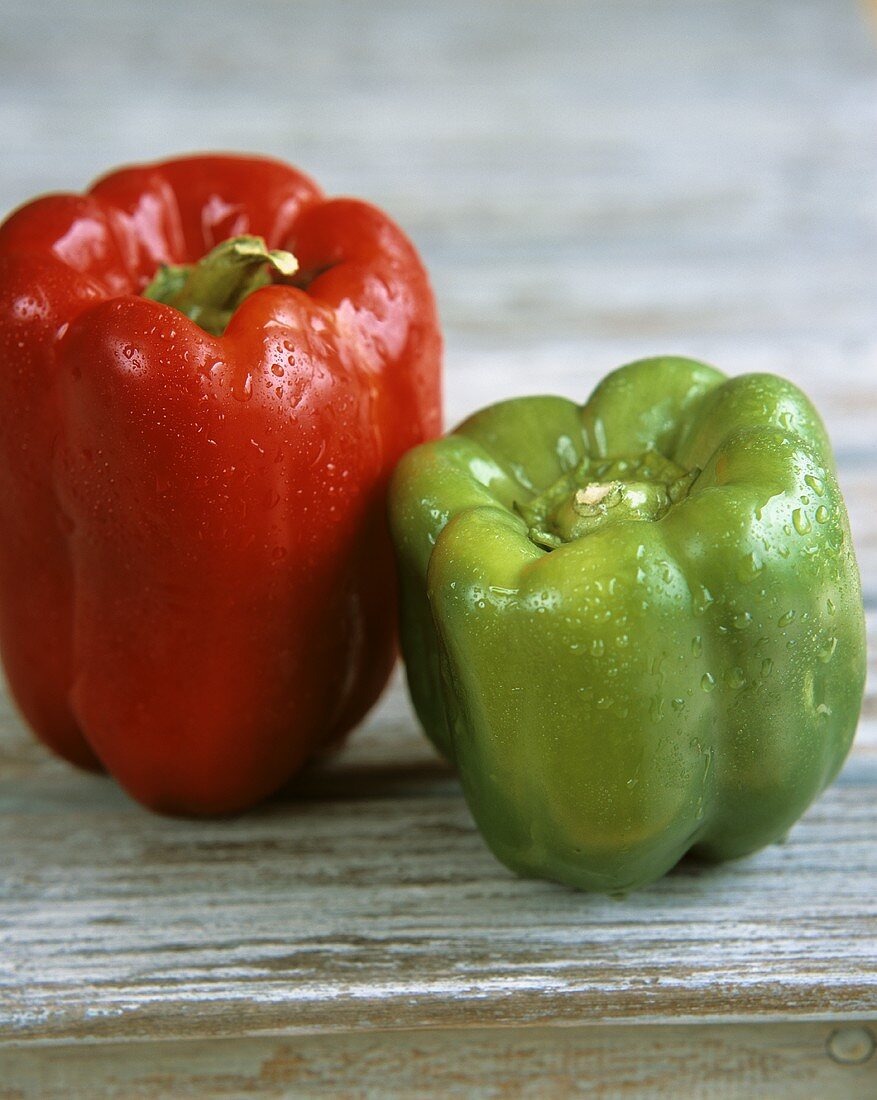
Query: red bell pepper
x=196, y=584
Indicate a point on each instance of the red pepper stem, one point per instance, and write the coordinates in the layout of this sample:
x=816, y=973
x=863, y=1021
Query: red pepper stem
x=209, y=291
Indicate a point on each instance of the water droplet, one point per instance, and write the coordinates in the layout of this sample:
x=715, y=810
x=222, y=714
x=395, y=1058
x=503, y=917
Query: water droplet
x=828, y=650
x=129, y=351
x=707, y=764
x=277, y=370
x=749, y=568
x=707, y=682
x=823, y=710
x=785, y=619
x=766, y=667
x=604, y=702
x=245, y=392
x=735, y=677
x=656, y=709
x=801, y=521
x=822, y=514
x=816, y=484
x=829, y=606
x=697, y=645
x=678, y=704
x=597, y=647
x=742, y=620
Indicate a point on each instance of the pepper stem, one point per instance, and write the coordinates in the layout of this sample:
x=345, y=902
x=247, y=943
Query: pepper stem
x=209, y=291
x=595, y=494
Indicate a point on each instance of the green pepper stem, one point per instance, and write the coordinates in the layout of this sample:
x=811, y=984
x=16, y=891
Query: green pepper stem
x=597, y=493
x=209, y=291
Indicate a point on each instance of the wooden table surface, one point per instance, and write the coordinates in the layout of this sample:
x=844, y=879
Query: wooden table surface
x=588, y=183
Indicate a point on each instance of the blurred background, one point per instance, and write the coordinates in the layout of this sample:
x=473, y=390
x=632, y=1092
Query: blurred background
x=588, y=182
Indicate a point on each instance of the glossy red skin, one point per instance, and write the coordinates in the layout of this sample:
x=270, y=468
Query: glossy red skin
x=196, y=585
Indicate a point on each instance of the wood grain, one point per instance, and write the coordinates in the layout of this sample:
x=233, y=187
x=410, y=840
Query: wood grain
x=365, y=898
x=743, y=1062
x=589, y=183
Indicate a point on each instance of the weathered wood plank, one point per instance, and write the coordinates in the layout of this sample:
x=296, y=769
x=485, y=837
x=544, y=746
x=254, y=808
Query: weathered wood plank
x=365, y=898
x=733, y=1062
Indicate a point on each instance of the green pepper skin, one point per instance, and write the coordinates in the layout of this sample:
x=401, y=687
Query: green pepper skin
x=657, y=685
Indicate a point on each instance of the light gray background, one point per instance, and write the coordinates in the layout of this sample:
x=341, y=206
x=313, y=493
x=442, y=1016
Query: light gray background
x=588, y=182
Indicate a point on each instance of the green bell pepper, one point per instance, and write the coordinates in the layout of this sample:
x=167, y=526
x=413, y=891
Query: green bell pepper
x=635, y=626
